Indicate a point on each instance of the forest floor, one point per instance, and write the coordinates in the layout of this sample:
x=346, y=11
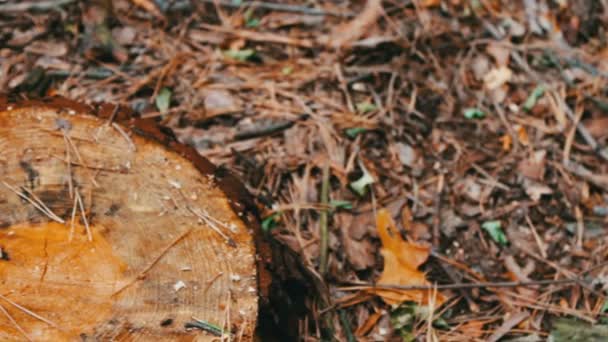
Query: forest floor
x=438, y=168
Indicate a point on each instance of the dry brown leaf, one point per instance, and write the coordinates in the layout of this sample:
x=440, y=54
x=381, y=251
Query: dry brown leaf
x=497, y=77
x=472, y=329
x=401, y=262
x=359, y=26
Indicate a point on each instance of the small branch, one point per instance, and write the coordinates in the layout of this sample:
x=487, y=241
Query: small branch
x=15, y=324
x=212, y=223
x=437, y=215
x=124, y=135
x=84, y=216
x=323, y=231
x=278, y=7
x=582, y=130
x=256, y=36
x=37, y=203
x=34, y=5
x=264, y=131
x=31, y=313
x=369, y=286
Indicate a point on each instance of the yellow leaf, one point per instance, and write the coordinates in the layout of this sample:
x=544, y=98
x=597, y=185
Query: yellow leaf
x=401, y=262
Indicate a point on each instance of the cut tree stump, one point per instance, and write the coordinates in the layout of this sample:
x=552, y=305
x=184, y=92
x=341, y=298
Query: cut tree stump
x=112, y=230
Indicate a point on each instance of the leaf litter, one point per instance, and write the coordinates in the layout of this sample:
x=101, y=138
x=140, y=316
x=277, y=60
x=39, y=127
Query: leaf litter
x=450, y=115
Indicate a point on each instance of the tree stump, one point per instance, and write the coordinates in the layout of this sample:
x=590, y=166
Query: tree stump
x=112, y=230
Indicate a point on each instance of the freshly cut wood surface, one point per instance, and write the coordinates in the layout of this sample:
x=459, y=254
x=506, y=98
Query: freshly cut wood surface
x=108, y=235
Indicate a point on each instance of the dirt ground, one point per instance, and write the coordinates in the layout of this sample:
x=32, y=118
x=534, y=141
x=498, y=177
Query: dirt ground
x=429, y=169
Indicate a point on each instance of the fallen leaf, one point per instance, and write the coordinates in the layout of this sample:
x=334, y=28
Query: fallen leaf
x=472, y=329
x=474, y=113
x=575, y=330
x=495, y=230
x=497, y=77
x=500, y=53
x=353, y=30
x=536, y=94
x=51, y=49
x=360, y=185
x=535, y=189
x=163, y=100
x=366, y=107
x=407, y=155
x=533, y=167
x=240, y=55
x=401, y=262
x=522, y=136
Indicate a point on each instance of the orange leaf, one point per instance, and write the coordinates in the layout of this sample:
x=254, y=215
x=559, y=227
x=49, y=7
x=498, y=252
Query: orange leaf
x=522, y=135
x=401, y=262
x=506, y=142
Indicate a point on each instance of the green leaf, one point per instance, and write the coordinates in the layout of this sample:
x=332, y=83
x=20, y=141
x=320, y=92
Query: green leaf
x=270, y=222
x=366, y=107
x=360, y=185
x=494, y=229
x=354, y=131
x=163, y=100
x=249, y=20
x=206, y=326
x=287, y=70
x=340, y=204
x=537, y=93
x=474, y=113
x=240, y=55
x=571, y=330
x=604, y=308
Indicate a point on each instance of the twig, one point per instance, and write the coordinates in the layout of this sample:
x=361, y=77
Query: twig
x=34, y=5
x=30, y=313
x=507, y=325
x=17, y=326
x=582, y=130
x=142, y=273
x=437, y=215
x=211, y=222
x=323, y=231
x=260, y=36
x=72, y=221
x=212, y=281
x=205, y=326
x=264, y=131
x=279, y=7
x=124, y=135
x=36, y=202
x=369, y=286
x=84, y=216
